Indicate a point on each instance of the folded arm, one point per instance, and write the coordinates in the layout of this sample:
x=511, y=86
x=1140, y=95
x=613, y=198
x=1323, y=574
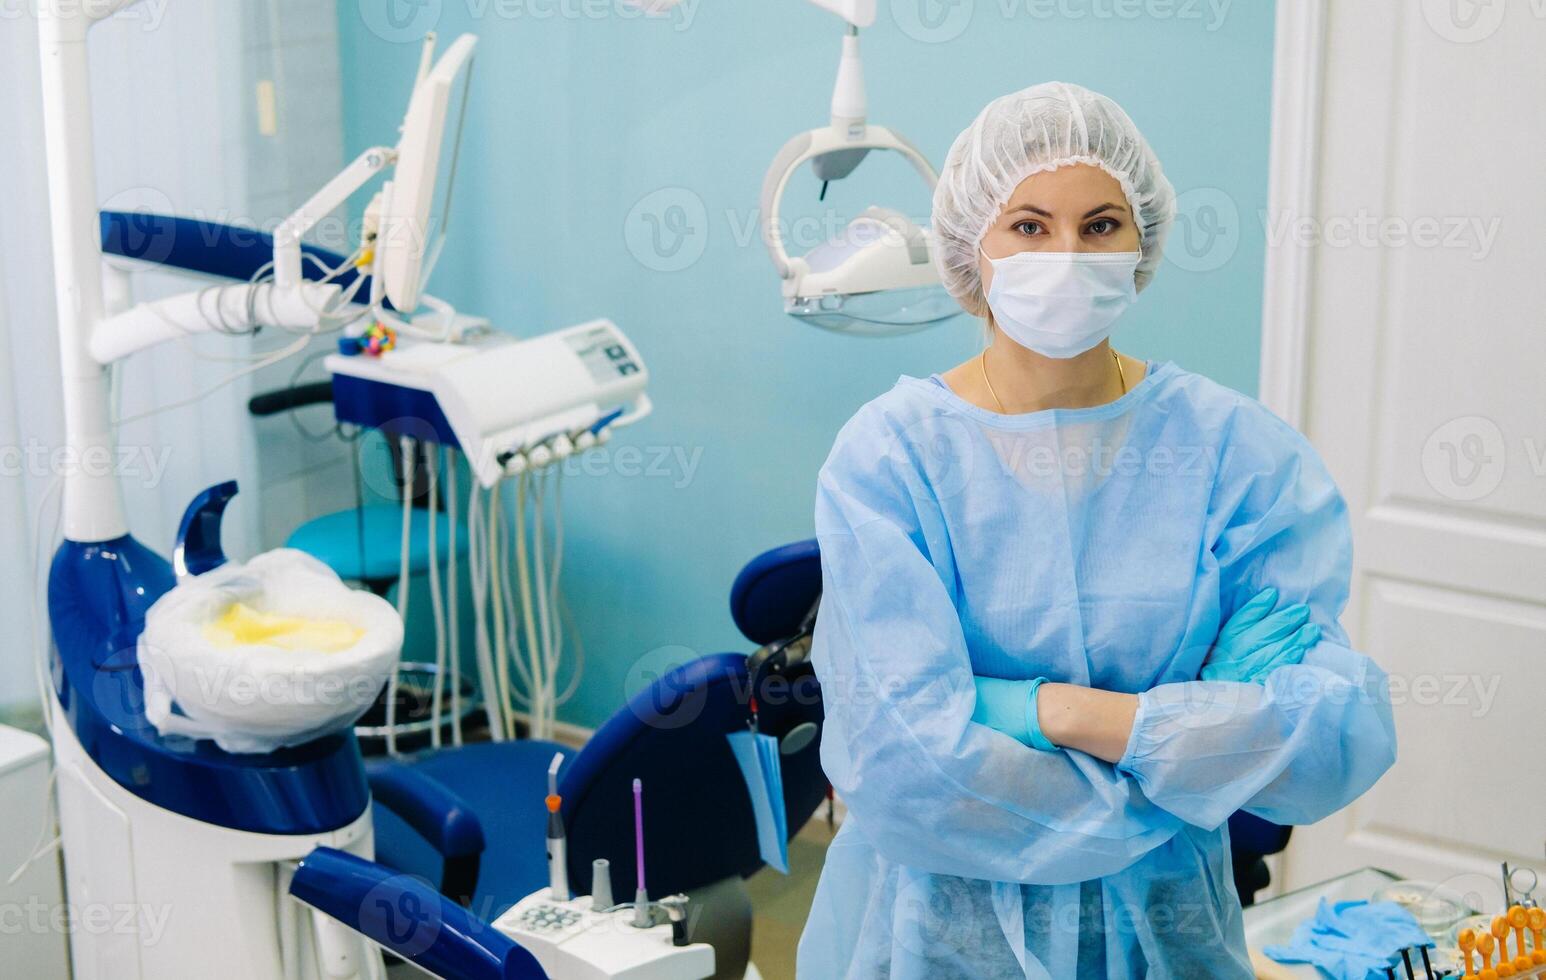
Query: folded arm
x=1256, y=641
x=1319, y=733
x=1307, y=743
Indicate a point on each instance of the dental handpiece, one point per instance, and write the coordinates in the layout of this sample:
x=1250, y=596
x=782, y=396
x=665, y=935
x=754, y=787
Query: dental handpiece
x=558, y=844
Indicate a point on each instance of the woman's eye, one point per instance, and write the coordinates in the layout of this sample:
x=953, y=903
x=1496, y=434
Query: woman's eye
x=1103, y=226
x=1029, y=228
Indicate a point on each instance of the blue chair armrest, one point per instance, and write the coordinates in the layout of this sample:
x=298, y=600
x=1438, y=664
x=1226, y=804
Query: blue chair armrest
x=429, y=807
x=440, y=817
x=409, y=918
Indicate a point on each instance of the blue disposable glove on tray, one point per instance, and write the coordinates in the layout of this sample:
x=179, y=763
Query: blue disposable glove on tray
x=1352, y=940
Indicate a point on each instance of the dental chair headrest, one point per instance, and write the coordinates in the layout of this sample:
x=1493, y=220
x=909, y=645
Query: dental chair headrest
x=776, y=591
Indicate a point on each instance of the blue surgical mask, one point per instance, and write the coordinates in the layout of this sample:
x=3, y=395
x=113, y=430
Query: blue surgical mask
x=1061, y=304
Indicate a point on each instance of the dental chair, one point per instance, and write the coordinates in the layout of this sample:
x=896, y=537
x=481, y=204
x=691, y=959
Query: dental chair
x=473, y=818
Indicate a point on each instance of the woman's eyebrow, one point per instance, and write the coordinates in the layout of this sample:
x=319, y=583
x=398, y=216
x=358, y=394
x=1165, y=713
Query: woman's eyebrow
x=1033, y=209
x=1103, y=207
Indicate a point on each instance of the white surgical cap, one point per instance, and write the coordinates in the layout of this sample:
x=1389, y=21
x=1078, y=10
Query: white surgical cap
x=1043, y=127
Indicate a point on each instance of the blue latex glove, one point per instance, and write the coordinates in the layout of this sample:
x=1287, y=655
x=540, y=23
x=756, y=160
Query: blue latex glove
x=1010, y=707
x=1258, y=640
x=1352, y=940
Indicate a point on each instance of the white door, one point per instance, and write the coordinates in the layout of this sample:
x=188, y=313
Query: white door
x=1406, y=335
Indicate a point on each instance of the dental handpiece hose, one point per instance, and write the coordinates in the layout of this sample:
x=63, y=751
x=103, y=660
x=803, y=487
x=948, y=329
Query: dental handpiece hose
x=558, y=844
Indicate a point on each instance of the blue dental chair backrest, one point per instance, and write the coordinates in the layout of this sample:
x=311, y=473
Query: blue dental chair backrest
x=775, y=591
x=698, y=823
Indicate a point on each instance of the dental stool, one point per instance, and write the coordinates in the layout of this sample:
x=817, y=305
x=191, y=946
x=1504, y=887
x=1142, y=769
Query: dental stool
x=700, y=835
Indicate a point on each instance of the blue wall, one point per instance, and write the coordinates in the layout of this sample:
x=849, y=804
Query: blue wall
x=584, y=128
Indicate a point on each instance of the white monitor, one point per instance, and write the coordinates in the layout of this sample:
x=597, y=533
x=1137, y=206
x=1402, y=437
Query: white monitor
x=418, y=197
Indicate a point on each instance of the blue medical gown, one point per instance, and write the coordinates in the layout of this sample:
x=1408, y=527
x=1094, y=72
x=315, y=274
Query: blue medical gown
x=1102, y=547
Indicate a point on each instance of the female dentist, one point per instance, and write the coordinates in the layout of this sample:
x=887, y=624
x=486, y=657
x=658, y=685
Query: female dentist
x=1047, y=648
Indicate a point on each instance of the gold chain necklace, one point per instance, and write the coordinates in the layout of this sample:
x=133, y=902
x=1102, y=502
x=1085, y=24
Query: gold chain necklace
x=982, y=363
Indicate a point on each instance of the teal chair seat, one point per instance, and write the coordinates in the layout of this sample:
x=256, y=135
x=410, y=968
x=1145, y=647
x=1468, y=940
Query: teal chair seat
x=334, y=539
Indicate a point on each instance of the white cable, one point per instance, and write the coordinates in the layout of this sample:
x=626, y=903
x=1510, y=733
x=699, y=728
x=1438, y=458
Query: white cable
x=477, y=574
x=409, y=457
x=542, y=654
x=45, y=845
x=436, y=605
x=499, y=589
x=518, y=601
x=537, y=709
x=555, y=628
x=328, y=275
x=496, y=606
x=555, y=569
x=407, y=328
x=42, y=630
x=274, y=358
x=578, y=642
x=329, y=321
x=262, y=276
x=493, y=699
x=558, y=597
x=453, y=623
x=517, y=604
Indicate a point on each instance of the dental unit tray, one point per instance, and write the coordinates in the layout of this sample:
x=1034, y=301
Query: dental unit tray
x=506, y=404
x=574, y=939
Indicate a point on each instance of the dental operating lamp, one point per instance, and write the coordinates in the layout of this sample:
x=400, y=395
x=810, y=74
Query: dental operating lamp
x=876, y=278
